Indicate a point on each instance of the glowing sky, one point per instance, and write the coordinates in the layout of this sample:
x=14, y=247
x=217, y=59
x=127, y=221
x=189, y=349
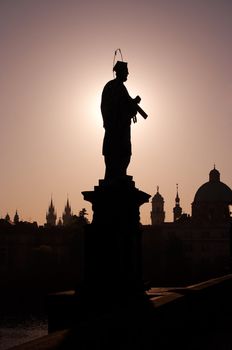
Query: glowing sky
x=56, y=56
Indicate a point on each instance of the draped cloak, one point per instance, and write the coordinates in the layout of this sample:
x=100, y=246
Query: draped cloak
x=117, y=108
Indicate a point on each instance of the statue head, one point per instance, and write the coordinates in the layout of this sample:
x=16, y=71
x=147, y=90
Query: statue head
x=121, y=70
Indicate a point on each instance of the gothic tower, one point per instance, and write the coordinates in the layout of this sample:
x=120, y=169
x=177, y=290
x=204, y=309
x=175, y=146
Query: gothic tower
x=7, y=217
x=16, y=218
x=67, y=214
x=157, y=213
x=177, y=210
x=51, y=215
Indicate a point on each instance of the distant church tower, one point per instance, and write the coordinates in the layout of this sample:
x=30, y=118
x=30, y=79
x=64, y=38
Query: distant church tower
x=157, y=213
x=16, y=218
x=177, y=210
x=7, y=217
x=67, y=214
x=51, y=215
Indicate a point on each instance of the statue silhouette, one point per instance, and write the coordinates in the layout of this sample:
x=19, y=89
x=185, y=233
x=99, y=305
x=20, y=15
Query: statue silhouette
x=117, y=108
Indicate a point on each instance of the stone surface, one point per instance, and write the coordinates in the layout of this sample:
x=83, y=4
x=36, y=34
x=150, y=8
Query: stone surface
x=112, y=256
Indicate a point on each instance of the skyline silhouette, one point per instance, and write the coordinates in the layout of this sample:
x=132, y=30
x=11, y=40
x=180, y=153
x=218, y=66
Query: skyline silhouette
x=66, y=214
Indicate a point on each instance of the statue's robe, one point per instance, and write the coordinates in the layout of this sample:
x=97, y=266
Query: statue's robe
x=117, y=109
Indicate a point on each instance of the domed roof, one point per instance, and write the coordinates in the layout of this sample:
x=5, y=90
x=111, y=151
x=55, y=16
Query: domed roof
x=214, y=189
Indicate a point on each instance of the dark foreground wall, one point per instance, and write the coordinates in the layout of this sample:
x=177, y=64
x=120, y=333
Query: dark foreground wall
x=196, y=317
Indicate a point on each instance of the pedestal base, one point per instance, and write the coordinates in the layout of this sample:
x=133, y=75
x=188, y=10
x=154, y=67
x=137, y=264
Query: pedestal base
x=112, y=257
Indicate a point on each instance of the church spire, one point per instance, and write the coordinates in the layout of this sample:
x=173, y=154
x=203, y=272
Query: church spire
x=16, y=218
x=67, y=214
x=51, y=214
x=7, y=217
x=177, y=210
x=177, y=196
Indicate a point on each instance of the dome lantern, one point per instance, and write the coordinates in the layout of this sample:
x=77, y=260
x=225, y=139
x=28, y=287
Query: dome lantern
x=214, y=175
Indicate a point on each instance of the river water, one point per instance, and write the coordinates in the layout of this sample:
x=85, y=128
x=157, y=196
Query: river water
x=18, y=329
x=20, y=324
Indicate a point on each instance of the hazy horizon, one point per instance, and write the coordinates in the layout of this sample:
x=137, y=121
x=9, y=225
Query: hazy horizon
x=56, y=57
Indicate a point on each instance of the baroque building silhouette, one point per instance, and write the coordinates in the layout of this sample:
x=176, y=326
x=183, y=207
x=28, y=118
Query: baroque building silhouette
x=195, y=246
x=191, y=248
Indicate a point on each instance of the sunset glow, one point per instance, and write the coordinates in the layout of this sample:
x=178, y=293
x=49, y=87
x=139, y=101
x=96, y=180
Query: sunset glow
x=56, y=57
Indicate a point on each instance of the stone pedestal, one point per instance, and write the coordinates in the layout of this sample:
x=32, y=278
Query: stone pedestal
x=112, y=255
